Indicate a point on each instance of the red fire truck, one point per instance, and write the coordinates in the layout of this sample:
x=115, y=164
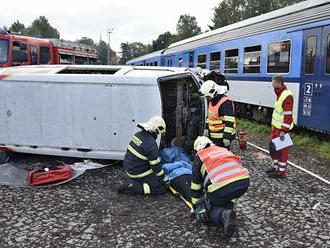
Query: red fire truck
x=22, y=50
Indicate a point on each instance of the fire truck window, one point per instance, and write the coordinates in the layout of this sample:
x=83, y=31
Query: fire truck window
x=33, y=54
x=4, y=47
x=44, y=55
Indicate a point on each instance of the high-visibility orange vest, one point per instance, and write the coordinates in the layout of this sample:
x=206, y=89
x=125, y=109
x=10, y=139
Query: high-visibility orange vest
x=222, y=167
x=213, y=118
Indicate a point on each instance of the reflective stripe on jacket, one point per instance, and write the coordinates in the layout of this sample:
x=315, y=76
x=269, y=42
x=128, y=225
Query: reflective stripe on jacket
x=216, y=123
x=141, y=158
x=278, y=113
x=222, y=167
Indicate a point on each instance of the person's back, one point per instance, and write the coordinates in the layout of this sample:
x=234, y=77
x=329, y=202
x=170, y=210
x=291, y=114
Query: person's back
x=142, y=163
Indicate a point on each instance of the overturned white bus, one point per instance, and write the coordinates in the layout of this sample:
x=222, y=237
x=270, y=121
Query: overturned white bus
x=92, y=111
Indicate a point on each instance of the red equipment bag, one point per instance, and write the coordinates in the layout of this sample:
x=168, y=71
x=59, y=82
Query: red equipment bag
x=41, y=176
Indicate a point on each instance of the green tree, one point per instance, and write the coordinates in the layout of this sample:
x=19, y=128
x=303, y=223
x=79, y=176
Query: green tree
x=133, y=50
x=162, y=41
x=41, y=27
x=187, y=27
x=230, y=11
x=102, y=51
x=17, y=27
x=86, y=41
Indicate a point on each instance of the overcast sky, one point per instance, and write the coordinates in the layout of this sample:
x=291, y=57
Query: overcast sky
x=131, y=20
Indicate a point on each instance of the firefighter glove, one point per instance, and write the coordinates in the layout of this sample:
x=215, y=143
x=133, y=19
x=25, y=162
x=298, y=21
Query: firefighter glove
x=201, y=210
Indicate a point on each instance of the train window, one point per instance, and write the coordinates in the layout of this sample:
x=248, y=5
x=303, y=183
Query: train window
x=328, y=55
x=231, y=61
x=169, y=62
x=155, y=63
x=44, y=55
x=251, y=63
x=180, y=62
x=310, y=54
x=191, y=59
x=215, y=59
x=33, y=54
x=279, y=57
x=201, y=61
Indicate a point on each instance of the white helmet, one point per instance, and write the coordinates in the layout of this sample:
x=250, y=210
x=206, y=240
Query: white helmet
x=155, y=125
x=209, y=88
x=201, y=142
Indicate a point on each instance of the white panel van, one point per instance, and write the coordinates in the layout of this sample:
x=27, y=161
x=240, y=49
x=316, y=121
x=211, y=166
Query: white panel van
x=92, y=111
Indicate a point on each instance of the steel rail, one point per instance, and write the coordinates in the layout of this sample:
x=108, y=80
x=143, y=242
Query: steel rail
x=294, y=165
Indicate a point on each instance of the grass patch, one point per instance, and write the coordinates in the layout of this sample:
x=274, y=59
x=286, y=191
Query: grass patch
x=315, y=142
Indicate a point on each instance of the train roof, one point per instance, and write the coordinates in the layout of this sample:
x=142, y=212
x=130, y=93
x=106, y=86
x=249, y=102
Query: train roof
x=147, y=56
x=291, y=16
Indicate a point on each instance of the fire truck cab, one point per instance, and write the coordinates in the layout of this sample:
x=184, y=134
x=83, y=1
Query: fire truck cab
x=22, y=50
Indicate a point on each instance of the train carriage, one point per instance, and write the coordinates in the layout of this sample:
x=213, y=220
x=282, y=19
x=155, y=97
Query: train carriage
x=293, y=41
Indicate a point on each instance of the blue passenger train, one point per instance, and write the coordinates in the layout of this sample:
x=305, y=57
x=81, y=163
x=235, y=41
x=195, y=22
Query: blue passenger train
x=293, y=41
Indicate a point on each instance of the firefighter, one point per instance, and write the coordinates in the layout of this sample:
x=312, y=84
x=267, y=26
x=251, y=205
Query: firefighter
x=282, y=123
x=142, y=163
x=221, y=114
x=218, y=173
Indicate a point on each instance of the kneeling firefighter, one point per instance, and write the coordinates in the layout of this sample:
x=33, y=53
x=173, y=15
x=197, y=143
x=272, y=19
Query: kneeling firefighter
x=142, y=163
x=219, y=173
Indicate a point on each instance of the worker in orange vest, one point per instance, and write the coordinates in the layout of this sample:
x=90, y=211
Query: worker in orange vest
x=221, y=113
x=218, y=173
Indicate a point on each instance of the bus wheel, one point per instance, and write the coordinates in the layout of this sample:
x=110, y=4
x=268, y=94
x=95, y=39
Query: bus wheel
x=4, y=157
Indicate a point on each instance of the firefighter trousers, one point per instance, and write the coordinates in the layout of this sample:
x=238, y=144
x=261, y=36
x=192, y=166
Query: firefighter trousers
x=150, y=184
x=225, y=198
x=279, y=158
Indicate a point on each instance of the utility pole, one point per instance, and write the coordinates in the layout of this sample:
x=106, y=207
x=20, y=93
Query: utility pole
x=108, y=54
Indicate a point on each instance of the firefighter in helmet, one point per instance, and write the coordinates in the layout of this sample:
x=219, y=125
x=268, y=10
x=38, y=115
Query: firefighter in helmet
x=218, y=173
x=145, y=174
x=221, y=113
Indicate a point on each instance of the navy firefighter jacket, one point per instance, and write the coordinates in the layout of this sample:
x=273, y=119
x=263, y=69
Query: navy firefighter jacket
x=142, y=158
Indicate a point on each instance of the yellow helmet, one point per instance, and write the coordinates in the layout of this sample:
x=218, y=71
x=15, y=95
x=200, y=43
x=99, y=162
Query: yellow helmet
x=209, y=88
x=158, y=124
x=201, y=142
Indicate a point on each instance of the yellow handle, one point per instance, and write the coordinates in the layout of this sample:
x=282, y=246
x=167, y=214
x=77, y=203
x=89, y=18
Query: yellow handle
x=188, y=203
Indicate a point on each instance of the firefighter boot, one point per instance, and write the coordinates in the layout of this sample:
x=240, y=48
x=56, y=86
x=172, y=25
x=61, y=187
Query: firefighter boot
x=125, y=187
x=228, y=218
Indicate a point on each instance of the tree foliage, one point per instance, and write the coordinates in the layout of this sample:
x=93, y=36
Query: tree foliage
x=102, y=51
x=86, y=41
x=230, y=11
x=162, y=41
x=17, y=27
x=133, y=50
x=187, y=27
x=41, y=27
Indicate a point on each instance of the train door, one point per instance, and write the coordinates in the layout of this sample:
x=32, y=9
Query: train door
x=324, y=82
x=312, y=105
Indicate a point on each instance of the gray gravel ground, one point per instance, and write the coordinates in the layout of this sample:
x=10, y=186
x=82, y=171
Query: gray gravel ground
x=88, y=212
